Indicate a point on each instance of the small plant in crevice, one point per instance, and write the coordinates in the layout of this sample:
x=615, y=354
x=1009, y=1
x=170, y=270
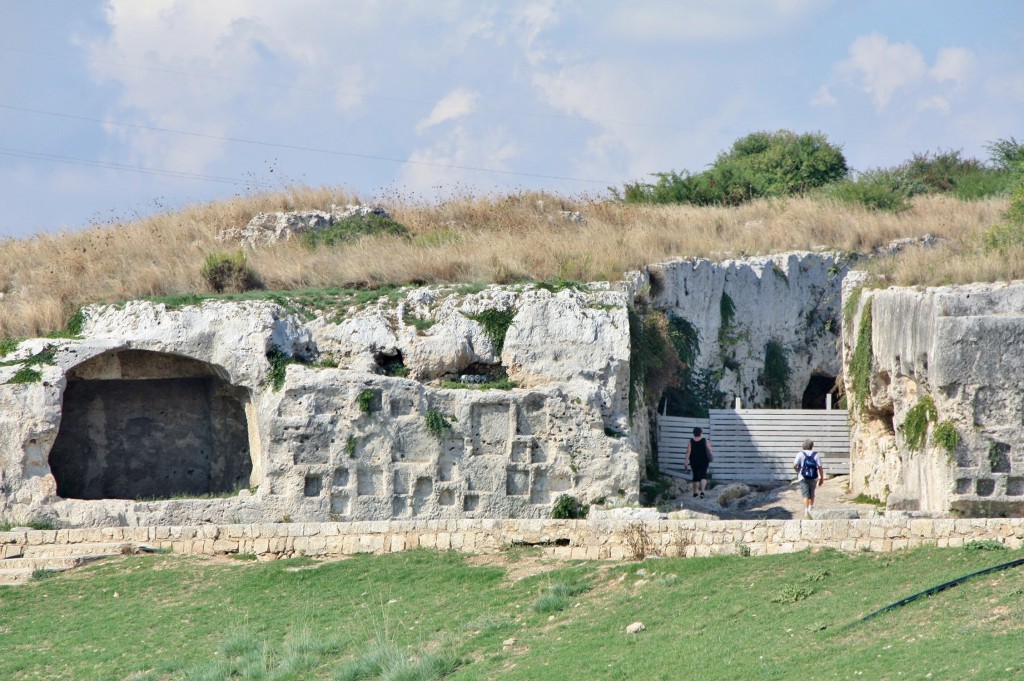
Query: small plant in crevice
x=569, y=507
x=915, y=424
x=25, y=375
x=868, y=499
x=947, y=436
x=418, y=323
x=653, y=360
x=365, y=401
x=776, y=374
x=998, y=457
x=851, y=303
x=495, y=324
x=862, y=361
x=72, y=328
x=278, y=367
x=350, y=446
x=229, y=273
x=437, y=423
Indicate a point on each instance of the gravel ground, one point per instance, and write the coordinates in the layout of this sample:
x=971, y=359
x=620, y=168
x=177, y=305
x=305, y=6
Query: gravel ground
x=780, y=502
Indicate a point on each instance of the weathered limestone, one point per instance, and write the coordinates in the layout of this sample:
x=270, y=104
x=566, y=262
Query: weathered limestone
x=158, y=402
x=789, y=298
x=959, y=346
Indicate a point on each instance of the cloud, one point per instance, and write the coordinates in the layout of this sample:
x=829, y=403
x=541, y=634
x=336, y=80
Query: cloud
x=936, y=103
x=880, y=68
x=823, y=98
x=456, y=104
x=530, y=22
x=953, y=64
x=707, y=20
x=453, y=158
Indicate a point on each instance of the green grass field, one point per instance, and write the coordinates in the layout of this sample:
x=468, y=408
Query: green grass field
x=425, y=615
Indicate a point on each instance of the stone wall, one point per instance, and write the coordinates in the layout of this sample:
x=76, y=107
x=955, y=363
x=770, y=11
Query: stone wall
x=570, y=539
x=958, y=346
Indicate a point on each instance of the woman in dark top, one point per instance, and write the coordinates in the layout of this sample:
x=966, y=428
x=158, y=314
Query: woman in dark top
x=698, y=457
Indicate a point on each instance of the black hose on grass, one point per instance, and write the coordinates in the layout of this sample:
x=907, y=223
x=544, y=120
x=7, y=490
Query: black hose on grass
x=941, y=587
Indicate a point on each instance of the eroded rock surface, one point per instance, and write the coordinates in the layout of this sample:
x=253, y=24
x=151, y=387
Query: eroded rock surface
x=960, y=347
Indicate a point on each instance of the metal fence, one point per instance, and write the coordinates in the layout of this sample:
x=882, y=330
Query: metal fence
x=758, y=444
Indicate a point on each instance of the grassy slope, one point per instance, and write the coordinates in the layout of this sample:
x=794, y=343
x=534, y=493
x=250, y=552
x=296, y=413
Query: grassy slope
x=499, y=239
x=778, y=617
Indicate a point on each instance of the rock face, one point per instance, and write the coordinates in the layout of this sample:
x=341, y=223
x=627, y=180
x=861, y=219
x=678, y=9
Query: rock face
x=959, y=347
x=258, y=416
x=266, y=229
x=738, y=307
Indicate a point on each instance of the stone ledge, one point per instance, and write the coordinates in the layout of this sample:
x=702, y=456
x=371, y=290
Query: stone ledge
x=604, y=539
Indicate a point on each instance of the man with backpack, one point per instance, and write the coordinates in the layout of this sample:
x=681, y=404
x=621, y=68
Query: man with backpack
x=812, y=474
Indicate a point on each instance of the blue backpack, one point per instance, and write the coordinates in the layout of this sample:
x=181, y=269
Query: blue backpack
x=809, y=469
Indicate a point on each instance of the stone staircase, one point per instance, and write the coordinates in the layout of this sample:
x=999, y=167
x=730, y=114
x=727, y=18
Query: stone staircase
x=20, y=561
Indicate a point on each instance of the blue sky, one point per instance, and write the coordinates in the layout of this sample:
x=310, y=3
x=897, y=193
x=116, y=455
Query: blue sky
x=119, y=108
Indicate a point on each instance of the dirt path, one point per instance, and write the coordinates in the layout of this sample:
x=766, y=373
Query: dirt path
x=778, y=503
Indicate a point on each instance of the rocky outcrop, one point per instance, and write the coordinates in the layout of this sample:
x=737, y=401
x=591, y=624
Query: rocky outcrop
x=266, y=229
x=263, y=416
x=954, y=347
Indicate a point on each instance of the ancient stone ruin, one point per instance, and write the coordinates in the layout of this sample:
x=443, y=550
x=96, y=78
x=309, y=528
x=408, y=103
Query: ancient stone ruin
x=444, y=403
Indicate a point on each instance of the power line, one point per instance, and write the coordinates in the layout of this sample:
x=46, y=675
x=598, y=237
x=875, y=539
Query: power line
x=360, y=95
x=292, y=147
x=71, y=160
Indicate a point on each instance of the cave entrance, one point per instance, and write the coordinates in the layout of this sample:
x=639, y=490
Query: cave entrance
x=817, y=388
x=148, y=425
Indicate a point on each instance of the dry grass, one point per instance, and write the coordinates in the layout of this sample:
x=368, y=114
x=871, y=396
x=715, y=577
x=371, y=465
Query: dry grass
x=466, y=239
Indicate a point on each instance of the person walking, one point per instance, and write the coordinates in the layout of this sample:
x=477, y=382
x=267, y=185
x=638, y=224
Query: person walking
x=808, y=466
x=698, y=458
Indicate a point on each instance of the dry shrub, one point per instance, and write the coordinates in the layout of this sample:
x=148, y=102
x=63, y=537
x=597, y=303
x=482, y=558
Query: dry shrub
x=639, y=541
x=460, y=240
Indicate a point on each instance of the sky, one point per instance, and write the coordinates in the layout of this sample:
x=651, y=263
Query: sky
x=117, y=109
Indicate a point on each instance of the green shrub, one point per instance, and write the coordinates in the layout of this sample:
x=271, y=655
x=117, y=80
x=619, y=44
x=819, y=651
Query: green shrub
x=353, y=228
x=497, y=384
x=72, y=328
x=495, y=324
x=437, y=423
x=947, y=436
x=915, y=425
x=365, y=401
x=653, y=362
x=227, y=272
x=762, y=164
x=26, y=374
x=876, y=190
x=569, y=507
x=8, y=345
x=1006, y=154
x=985, y=545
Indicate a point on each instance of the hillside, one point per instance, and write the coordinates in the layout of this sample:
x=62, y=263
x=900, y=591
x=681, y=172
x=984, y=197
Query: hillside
x=470, y=239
